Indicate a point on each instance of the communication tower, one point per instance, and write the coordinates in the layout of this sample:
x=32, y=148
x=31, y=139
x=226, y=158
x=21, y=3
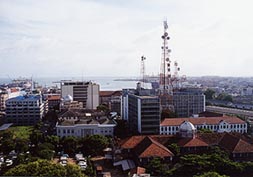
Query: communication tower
x=165, y=74
x=143, y=58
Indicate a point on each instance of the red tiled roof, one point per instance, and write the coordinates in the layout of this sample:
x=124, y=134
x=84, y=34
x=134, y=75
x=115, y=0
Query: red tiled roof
x=201, y=121
x=109, y=93
x=53, y=97
x=211, y=138
x=150, y=148
x=235, y=144
x=192, y=142
x=131, y=142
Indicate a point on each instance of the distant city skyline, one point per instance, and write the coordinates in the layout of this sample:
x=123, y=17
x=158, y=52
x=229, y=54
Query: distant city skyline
x=107, y=38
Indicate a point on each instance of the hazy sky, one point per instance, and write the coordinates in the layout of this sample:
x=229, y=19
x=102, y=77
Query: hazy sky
x=108, y=37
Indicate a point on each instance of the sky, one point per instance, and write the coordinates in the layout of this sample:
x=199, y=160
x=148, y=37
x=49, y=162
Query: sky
x=54, y=38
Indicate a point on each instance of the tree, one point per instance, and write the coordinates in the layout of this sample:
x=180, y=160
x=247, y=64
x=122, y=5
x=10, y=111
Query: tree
x=167, y=113
x=121, y=129
x=45, y=151
x=174, y=148
x=94, y=144
x=44, y=168
x=69, y=144
x=209, y=93
x=21, y=145
x=103, y=107
x=210, y=174
x=157, y=168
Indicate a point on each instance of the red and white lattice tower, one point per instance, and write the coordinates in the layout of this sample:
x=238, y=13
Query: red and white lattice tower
x=165, y=74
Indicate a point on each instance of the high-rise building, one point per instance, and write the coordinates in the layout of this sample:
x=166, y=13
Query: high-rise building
x=142, y=111
x=25, y=110
x=85, y=92
x=188, y=102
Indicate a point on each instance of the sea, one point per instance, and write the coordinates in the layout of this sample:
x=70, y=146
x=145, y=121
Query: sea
x=106, y=83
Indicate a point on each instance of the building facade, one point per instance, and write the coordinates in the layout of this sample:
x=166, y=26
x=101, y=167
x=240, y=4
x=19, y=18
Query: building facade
x=188, y=102
x=171, y=126
x=142, y=112
x=3, y=99
x=85, y=92
x=112, y=99
x=25, y=110
x=83, y=127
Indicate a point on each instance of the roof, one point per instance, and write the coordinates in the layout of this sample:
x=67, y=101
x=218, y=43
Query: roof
x=146, y=146
x=235, y=144
x=25, y=97
x=151, y=148
x=201, y=121
x=53, y=97
x=187, y=126
x=132, y=142
x=110, y=93
x=192, y=142
x=5, y=126
x=87, y=121
x=138, y=171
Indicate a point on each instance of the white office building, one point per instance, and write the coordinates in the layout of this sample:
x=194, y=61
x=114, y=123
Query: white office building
x=85, y=92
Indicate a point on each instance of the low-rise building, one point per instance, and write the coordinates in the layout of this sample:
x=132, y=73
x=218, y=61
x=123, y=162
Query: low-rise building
x=79, y=124
x=170, y=126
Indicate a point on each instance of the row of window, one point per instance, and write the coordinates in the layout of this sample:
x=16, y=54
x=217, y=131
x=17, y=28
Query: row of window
x=68, y=131
x=212, y=127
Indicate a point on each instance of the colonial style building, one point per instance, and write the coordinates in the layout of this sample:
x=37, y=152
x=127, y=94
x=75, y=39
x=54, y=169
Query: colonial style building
x=170, y=126
x=79, y=125
x=142, y=149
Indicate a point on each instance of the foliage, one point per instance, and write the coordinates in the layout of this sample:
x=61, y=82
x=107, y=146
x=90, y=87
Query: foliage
x=45, y=151
x=209, y=93
x=103, y=107
x=36, y=137
x=69, y=144
x=44, y=168
x=224, y=97
x=157, y=168
x=210, y=174
x=94, y=144
x=167, y=113
x=21, y=132
x=121, y=129
x=21, y=145
x=174, y=148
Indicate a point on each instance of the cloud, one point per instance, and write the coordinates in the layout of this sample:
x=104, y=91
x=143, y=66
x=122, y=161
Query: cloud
x=107, y=38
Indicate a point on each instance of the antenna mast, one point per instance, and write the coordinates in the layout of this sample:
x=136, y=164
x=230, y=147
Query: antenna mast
x=143, y=58
x=165, y=74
